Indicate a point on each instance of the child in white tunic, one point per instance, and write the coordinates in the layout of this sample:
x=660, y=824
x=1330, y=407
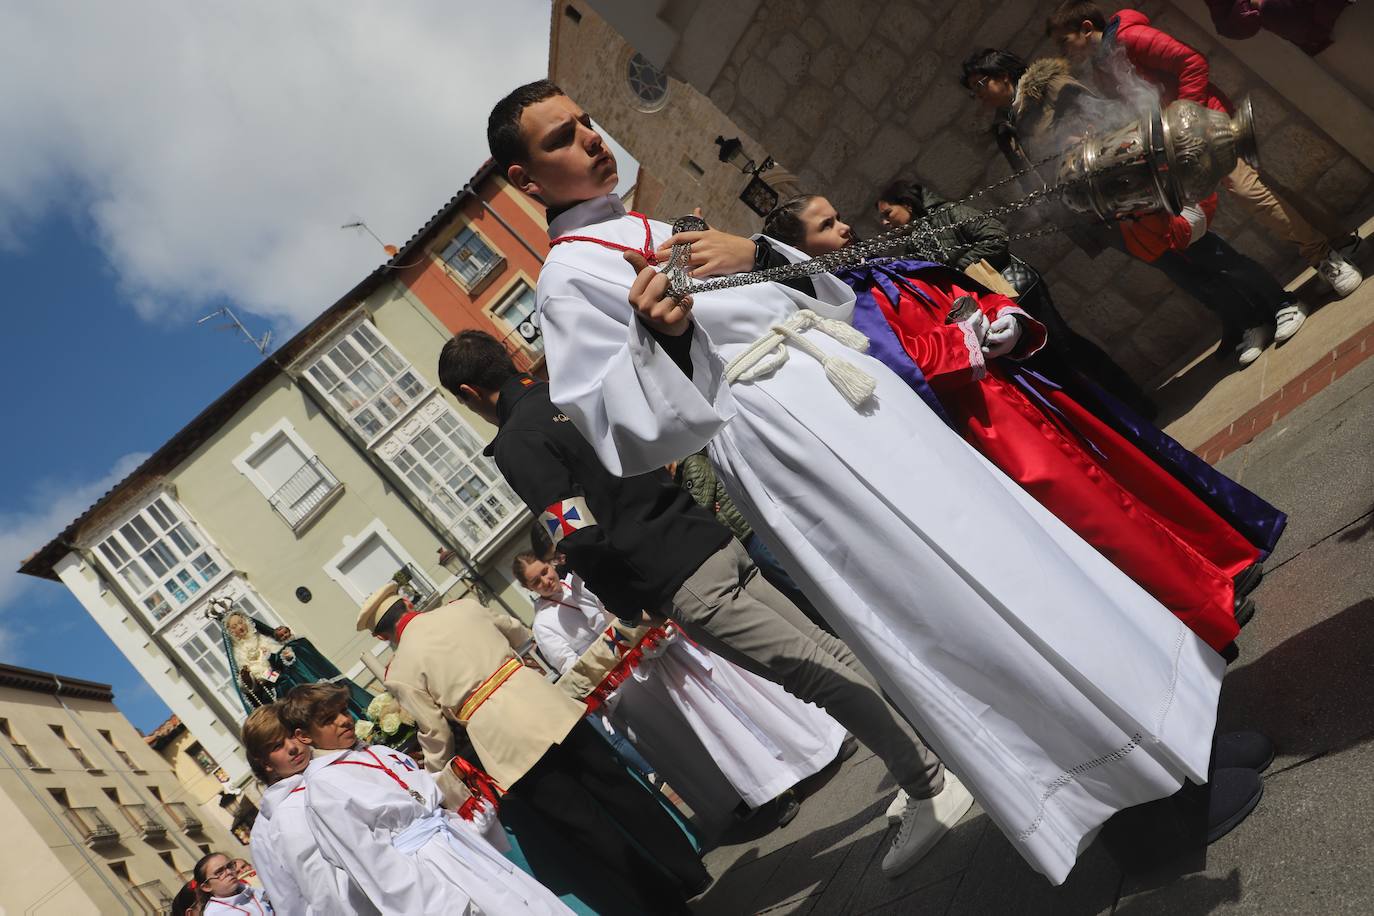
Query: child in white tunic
x=222, y=893
x=288, y=858
x=763, y=739
x=379, y=818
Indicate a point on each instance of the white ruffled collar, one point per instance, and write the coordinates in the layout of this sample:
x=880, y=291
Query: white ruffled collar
x=588, y=213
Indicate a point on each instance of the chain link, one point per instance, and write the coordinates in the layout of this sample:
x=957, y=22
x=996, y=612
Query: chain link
x=921, y=238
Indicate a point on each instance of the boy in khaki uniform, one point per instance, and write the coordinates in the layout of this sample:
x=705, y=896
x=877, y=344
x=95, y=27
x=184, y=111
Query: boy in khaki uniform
x=459, y=664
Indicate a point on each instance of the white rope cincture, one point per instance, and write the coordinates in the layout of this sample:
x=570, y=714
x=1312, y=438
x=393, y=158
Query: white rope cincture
x=767, y=354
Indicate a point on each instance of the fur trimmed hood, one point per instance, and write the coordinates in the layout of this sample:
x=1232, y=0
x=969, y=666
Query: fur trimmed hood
x=1040, y=84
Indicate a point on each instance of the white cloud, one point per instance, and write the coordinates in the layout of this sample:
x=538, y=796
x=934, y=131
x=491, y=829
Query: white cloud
x=218, y=147
x=51, y=506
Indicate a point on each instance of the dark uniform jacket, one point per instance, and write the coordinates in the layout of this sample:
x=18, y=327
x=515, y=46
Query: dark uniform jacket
x=633, y=540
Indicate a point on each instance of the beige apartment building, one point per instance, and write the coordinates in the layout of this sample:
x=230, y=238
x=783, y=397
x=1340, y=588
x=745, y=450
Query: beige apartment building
x=333, y=466
x=205, y=785
x=96, y=821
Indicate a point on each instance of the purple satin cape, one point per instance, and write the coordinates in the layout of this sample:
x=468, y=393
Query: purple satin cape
x=884, y=344
x=1257, y=521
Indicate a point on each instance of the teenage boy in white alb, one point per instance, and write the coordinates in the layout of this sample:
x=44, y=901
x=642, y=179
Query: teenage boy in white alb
x=1054, y=685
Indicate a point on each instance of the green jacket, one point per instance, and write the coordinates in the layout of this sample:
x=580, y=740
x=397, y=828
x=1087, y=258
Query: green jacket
x=697, y=477
x=981, y=238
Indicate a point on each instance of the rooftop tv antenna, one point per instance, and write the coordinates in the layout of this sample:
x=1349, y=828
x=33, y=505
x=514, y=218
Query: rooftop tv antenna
x=359, y=224
x=232, y=323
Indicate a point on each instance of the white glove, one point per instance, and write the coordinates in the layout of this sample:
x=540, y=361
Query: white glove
x=1197, y=222
x=1002, y=336
x=977, y=324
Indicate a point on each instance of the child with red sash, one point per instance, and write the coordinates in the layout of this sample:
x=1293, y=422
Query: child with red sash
x=378, y=817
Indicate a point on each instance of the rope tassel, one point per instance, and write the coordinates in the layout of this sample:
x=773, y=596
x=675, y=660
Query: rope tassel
x=856, y=385
x=767, y=354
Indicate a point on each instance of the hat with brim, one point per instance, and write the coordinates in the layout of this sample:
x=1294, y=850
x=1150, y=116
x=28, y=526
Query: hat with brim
x=377, y=604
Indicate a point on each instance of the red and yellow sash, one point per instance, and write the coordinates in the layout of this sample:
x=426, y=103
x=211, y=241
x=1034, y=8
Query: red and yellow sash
x=487, y=688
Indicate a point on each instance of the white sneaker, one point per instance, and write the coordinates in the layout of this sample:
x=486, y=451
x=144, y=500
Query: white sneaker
x=1288, y=319
x=924, y=822
x=1251, y=345
x=898, y=806
x=1339, y=274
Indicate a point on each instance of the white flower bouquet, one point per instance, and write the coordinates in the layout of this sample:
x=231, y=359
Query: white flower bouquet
x=386, y=723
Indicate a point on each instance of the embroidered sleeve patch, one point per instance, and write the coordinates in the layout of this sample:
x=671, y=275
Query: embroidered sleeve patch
x=566, y=516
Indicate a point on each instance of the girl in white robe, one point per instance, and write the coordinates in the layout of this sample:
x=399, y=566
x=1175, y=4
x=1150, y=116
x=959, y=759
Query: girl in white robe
x=1057, y=689
x=377, y=817
x=763, y=739
x=221, y=893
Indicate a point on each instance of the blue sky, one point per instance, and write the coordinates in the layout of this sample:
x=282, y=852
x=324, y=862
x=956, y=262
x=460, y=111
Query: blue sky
x=90, y=386
x=139, y=192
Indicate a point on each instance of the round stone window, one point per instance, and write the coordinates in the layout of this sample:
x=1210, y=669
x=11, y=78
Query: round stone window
x=648, y=84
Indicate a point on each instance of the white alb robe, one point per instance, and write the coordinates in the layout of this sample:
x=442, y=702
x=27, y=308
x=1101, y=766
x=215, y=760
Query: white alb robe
x=404, y=856
x=287, y=856
x=763, y=739
x=1056, y=688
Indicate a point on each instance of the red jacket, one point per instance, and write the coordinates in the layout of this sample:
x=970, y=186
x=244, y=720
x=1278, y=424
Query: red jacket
x=1178, y=70
x=1306, y=23
x=1152, y=234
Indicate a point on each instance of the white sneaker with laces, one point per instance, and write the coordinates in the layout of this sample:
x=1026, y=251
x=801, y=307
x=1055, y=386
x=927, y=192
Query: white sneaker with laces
x=1339, y=274
x=894, y=810
x=1288, y=319
x=924, y=821
x=1251, y=345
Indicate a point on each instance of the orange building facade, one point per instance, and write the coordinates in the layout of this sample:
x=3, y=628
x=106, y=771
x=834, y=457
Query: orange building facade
x=479, y=261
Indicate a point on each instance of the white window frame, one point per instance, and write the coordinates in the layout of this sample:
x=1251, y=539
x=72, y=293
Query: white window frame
x=115, y=542
x=355, y=542
x=508, y=295
x=403, y=456
x=326, y=363
x=485, y=273
x=284, y=429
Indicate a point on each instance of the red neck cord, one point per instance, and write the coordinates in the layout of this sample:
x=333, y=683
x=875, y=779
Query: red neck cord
x=647, y=251
x=241, y=909
x=378, y=766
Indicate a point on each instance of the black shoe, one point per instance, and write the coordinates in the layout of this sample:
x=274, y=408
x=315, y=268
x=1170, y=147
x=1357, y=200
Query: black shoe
x=1242, y=750
x=1230, y=652
x=848, y=748
x=788, y=806
x=1248, y=579
x=1347, y=245
x=1233, y=794
x=1245, y=610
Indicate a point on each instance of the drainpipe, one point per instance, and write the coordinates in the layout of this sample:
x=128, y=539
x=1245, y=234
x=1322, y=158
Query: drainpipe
x=471, y=192
x=77, y=843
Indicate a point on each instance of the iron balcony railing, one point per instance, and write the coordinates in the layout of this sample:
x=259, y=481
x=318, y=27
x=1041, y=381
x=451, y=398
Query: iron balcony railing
x=297, y=500
x=182, y=815
x=26, y=755
x=141, y=816
x=151, y=897
x=91, y=826
x=423, y=593
x=81, y=758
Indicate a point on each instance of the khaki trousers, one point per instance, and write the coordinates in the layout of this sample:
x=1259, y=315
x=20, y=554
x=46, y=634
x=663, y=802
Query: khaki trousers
x=727, y=606
x=1271, y=212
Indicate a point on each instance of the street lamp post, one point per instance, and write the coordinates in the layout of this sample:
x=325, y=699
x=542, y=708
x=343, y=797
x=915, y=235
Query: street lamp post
x=758, y=195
